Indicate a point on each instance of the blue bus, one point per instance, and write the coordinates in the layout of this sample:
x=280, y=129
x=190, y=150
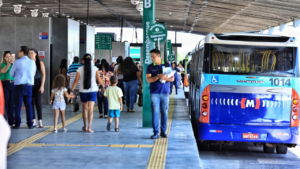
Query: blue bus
x=244, y=87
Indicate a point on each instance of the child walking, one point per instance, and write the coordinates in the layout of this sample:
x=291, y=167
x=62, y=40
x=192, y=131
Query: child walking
x=115, y=105
x=58, y=92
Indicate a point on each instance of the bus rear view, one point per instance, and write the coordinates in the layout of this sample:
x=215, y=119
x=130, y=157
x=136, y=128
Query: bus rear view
x=248, y=91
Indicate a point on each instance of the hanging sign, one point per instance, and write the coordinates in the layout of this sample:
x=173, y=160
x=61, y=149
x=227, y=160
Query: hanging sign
x=171, y=58
x=103, y=41
x=43, y=35
x=41, y=54
x=158, y=31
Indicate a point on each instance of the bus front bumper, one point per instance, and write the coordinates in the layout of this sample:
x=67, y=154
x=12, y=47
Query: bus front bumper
x=239, y=133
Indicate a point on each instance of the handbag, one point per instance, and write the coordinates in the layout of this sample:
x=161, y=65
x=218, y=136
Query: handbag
x=140, y=93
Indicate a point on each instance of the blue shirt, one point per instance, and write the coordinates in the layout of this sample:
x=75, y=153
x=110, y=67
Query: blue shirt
x=157, y=87
x=23, y=70
x=176, y=75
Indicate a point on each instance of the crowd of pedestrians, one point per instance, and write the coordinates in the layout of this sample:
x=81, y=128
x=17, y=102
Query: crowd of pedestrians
x=85, y=82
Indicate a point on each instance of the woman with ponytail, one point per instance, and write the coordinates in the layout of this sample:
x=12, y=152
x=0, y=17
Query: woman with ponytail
x=88, y=74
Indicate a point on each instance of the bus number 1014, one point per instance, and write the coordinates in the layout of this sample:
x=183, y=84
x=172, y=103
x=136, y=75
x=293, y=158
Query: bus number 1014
x=277, y=82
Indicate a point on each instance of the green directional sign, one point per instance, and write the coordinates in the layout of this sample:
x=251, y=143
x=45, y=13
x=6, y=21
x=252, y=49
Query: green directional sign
x=158, y=31
x=171, y=58
x=103, y=41
x=97, y=41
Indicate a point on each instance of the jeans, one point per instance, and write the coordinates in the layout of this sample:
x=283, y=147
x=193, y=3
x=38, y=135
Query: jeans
x=176, y=86
x=9, y=89
x=23, y=92
x=101, y=99
x=159, y=103
x=130, y=92
x=76, y=100
x=37, y=99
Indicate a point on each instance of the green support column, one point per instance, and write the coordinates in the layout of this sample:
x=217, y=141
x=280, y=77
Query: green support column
x=148, y=19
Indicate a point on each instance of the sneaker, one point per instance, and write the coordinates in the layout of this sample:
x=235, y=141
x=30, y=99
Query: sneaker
x=154, y=136
x=108, y=126
x=163, y=135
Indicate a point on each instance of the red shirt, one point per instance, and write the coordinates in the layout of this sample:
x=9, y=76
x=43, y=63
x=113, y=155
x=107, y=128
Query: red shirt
x=1, y=100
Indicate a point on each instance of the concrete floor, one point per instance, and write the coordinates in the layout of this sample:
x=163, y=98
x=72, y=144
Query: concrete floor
x=77, y=149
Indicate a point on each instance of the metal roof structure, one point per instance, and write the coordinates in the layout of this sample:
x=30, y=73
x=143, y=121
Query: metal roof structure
x=197, y=16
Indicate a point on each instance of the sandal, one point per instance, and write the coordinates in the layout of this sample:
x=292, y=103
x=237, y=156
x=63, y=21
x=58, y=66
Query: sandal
x=40, y=124
x=65, y=130
x=101, y=116
x=83, y=129
x=90, y=131
x=105, y=116
x=116, y=129
x=54, y=131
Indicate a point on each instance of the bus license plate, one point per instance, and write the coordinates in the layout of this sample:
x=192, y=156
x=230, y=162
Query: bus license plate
x=250, y=136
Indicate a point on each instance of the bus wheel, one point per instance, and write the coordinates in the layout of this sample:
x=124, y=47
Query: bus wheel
x=269, y=149
x=204, y=145
x=281, y=149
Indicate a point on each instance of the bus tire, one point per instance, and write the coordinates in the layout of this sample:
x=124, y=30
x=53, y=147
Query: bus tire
x=269, y=149
x=281, y=149
x=204, y=145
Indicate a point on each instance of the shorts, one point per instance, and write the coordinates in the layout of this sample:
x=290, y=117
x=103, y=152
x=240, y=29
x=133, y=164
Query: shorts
x=59, y=105
x=114, y=113
x=88, y=97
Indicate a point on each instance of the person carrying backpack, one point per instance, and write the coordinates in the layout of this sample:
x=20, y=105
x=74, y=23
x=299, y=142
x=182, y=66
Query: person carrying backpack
x=159, y=93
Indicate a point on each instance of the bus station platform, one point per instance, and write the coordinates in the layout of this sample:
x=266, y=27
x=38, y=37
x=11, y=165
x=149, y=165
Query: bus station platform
x=131, y=147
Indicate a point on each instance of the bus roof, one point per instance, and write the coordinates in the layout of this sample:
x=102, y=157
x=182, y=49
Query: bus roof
x=251, y=39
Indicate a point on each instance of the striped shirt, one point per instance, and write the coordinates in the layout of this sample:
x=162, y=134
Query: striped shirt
x=72, y=71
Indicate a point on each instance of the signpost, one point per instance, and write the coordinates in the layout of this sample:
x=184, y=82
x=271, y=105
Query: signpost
x=171, y=58
x=148, y=19
x=158, y=32
x=103, y=42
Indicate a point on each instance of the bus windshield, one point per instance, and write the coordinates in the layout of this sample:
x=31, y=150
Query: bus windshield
x=254, y=60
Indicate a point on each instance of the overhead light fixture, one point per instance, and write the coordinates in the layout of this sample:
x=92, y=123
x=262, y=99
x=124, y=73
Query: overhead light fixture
x=28, y=2
x=17, y=8
x=37, y=5
x=204, y=5
x=135, y=2
x=171, y=26
x=56, y=12
x=45, y=8
x=68, y=16
x=94, y=26
x=85, y=23
x=45, y=15
x=34, y=12
x=1, y=3
x=72, y=17
x=25, y=15
x=81, y=22
x=204, y=1
x=170, y=13
x=63, y=14
x=157, y=19
x=139, y=6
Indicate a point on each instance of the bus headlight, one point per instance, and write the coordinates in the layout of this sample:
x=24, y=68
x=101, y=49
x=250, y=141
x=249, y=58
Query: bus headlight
x=204, y=113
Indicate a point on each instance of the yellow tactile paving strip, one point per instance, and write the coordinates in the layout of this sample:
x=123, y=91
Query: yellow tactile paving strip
x=87, y=145
x=18, y=146
x=29, y=142
x=158, y=155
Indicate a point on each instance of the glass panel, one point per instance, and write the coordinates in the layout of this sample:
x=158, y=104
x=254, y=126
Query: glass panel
x=260, y=60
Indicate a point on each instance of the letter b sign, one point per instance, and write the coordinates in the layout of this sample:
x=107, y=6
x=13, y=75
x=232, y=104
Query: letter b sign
x=147, y=3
